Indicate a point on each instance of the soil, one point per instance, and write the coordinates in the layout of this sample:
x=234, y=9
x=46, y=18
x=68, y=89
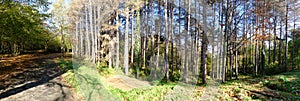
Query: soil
x=124, y=83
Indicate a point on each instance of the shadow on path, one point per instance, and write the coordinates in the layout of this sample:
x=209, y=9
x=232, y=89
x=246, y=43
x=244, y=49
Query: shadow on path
x=19, y=76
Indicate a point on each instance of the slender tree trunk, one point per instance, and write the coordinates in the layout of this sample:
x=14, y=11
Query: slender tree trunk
x=213, y=44
x=95, y=34
x=132, y=38
x=91, y=30
x=75, y=50
x=286, y=36
x=293, y=40
x=204, y=47
x=171, y=39
x=167, y=41
x=81, y=49
x=280, y=44
x=98, y=35
x=275, y=36
x=126, y=53
x=158, y=49
x=224, y=61
x=185, y=47
x=244, y=39
x=117, y=42
x=87, y=51
x=62, y=47
x=236, y=64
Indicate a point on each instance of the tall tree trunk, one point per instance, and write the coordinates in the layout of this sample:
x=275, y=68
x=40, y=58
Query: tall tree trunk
x=204, y=46
x=117, y=41
x=224, y=60
x=236, y=64
x=132, y=38
x=280, y=44
x=213, y=44
x=286, y=36
x=95, y=33
x=294, y=41
x=126, y=53
x=167, y=41
x=81, y=49
x=186, y=44
x=275, y=36
x=91, y=30
x=62, y=47
x=158, y=49
x=76, y=44
x=87, y=51
x=98, y=35
x=171, y=39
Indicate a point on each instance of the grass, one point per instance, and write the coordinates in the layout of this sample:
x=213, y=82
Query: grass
x=286, y=83
x=169, y=91
x=284, y=86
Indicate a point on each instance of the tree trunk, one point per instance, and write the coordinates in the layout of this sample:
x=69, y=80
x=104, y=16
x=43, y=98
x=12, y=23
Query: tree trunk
x=280, y=44
x=92, y=31
x=286, y=36
x=213, y=44
x=132, y=39
x=87, y=51
x=126, y=53
x=62, y=47
x=185, y=46
x=224, y=62
x=167, y=41
x=117, y=41
x=275, y=36
x=81, y=49
x=204, y=46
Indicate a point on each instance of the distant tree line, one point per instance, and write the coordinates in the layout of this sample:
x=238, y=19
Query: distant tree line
x=24, y=27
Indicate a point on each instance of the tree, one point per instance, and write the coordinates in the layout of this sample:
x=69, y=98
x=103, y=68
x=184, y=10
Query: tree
x=167, y=39
x=61, y=20
x=286, y=36
x=126, y=53
x=204, y=47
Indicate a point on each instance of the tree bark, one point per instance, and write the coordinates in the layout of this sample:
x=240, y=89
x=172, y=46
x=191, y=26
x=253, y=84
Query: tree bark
x=167, y=41
x=286, y=36
x=126, y=53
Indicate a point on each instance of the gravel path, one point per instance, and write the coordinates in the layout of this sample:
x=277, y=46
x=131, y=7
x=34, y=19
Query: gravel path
x=33, y=77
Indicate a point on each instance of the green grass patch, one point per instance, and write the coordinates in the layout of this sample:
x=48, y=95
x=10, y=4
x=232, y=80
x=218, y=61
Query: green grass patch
x=168, y=91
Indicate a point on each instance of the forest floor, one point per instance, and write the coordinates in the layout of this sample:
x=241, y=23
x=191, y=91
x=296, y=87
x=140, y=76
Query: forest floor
x=285, y=86
x=251, y=88
x=48, y=77
x=33, y=77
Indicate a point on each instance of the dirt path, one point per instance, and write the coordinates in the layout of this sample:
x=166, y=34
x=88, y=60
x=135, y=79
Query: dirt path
x=33, y=77
x=211, y=91
x=124, y=83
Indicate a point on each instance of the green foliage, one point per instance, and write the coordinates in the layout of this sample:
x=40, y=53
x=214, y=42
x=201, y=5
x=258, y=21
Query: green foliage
x=282, y=79
x=65, y=64
x=266, y=82
x=104, y=70
x=273, y=68
x=237, y=90
x=22, y=28
x=155, y=93
x=288, y=82
x=294, y=46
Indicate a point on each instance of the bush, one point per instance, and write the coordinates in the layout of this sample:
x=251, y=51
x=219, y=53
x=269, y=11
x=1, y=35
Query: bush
x=104, y=70
x=273, y=68
x=282, y=79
